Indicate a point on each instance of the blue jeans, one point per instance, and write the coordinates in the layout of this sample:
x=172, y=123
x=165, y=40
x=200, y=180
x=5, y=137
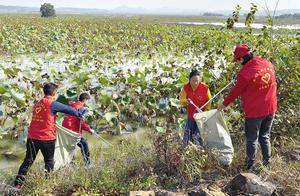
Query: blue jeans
x=258, y=130
x=191, y=133
x=83, y=145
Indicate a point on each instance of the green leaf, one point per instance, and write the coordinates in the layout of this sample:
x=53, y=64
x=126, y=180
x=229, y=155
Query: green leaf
x=160, y=129
x=54, y=72
x=175, y=102
x=181, y=122
x=3, y=89
x=104, y=81
x=19, y=97
x=150, y=101
x=110, y=115
x=105, y=99
x=6, y=96
x=71, y=95
x=132, y=79
x=182, y=79
x=60, y=118
x=62, y=99
x=125, y=100
x=73, y=68
x=167, y=68
x=82, y=78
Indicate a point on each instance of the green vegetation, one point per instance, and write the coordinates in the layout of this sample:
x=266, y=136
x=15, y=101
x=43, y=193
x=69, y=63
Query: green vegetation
x=134, y=70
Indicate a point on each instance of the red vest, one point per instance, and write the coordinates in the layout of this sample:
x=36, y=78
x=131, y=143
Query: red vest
x=199, y=97
x=73, y=122
x=259, y=98
x=42, y=126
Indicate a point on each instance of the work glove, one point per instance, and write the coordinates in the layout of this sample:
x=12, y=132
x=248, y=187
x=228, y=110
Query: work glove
x=92, y=131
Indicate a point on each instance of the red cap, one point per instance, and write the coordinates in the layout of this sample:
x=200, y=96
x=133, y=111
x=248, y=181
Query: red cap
x=241, y=51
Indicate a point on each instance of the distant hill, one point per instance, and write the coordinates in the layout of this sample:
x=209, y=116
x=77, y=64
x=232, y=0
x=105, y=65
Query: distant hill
x=70, y=10
x=17, y=9
x=59, y=10
x=211, y=14
x=259, y=13
x=135, y=11
x=288, y=16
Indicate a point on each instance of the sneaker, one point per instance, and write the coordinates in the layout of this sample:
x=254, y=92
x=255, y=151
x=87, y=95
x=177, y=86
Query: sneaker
x=18, y=186
x=20, y=179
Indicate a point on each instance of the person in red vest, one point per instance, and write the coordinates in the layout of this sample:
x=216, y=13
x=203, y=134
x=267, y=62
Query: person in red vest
x=256, y=85
x=42, y=131
x=197, y=92
x=78, y=126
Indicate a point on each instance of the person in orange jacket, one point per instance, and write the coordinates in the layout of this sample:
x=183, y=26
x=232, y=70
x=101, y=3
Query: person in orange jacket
x=74, y=124
x=256, y=85
x=42, y=131
x=197, y=92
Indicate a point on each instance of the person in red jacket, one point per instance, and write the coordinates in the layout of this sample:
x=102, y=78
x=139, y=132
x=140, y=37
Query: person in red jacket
x=198, y=93
x=78, y=126
x=42, y=131
x=256, y=85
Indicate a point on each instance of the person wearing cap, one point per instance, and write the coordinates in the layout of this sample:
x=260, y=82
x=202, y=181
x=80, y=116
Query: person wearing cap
x=256, y=85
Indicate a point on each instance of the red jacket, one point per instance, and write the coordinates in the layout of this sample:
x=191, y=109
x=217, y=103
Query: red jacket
x=42, y=125
x=72, y=122
x=199, y=97
x=256, y=84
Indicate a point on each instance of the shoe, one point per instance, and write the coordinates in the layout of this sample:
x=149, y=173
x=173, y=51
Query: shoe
x=18, y=186
x=267, y=166
x=250, y=168
x=88, y=165
x=20, y=179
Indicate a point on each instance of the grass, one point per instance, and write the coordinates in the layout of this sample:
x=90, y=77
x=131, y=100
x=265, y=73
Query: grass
x=118, y=169
x=147, y=161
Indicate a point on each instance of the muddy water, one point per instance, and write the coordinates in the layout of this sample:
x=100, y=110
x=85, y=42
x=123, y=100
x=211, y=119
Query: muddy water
x=16, y=152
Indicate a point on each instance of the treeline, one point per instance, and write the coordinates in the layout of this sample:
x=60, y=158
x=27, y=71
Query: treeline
x=292, y=16
x=211, y=14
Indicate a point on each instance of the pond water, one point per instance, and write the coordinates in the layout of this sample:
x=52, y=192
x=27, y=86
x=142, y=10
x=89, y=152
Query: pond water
x=12, y=163
x=240, y=25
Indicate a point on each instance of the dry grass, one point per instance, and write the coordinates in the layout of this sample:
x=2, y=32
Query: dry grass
x=145, y=163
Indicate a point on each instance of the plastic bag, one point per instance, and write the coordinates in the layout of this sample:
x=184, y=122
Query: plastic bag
x=214, y=133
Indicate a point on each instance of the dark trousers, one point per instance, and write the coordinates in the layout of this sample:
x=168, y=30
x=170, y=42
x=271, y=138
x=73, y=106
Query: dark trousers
x=191, y=133
x=258, y=130
x=32, y=148
x=83, y=145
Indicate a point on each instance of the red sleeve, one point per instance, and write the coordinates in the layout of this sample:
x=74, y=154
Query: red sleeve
x=85, y=126
x=236, y=91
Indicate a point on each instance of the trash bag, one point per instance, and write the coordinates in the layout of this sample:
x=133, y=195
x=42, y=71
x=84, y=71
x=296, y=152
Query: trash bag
x=214, y=133
x=66, y=142
x=22, y=138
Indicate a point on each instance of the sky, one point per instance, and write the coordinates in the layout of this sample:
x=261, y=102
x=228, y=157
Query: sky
x=209, y=5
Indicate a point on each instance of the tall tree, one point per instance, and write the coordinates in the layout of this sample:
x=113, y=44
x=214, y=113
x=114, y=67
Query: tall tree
x=47, y=10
